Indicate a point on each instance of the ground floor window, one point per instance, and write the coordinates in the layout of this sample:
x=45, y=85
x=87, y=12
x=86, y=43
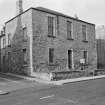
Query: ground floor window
x=3, y=59
x=51, y=55
x=85, y=56
x=70, y=59
x=24, y=56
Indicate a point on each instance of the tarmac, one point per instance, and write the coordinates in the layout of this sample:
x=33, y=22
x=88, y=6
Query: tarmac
x=47, y=82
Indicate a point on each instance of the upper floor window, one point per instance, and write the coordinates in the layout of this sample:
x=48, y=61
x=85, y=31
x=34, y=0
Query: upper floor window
x=84, y=36
x=69, y=30
x=25, y=33
x=4, y=42
x=3, y=31
x=9, y=39
x=50, y=26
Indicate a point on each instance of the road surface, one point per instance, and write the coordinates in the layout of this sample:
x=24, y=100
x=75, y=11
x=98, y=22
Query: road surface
x=90, y=92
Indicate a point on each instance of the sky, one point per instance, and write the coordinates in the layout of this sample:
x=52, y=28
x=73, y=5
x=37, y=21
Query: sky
x=92, y=11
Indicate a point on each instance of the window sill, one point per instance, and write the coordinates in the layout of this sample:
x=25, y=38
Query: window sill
x=85, y=41
x=24, y=40
x=9, y=45
x=51, y=64
x=51, y=36
x=25, y=65
x=3, y=48
x=70, y=39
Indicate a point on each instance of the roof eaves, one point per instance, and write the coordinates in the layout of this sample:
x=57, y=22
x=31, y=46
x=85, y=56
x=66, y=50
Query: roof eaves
x=60, y=14
x=17, y=15
x=52, y=12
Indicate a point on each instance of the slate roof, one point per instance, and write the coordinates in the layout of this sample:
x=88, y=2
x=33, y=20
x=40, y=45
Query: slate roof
x=42, y=9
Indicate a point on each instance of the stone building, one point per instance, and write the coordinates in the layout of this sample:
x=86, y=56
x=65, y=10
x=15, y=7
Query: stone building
x=2, y=50
x=40, y=41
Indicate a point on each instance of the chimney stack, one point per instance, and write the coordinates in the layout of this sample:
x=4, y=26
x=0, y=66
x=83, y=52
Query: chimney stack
x=19, y=7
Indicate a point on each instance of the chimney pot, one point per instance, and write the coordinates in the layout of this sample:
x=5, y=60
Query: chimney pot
x=19, y=7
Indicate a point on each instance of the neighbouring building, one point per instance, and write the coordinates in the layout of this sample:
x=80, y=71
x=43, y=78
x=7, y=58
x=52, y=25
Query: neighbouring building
x=2, y=50
x=40, y=41
x=100, y=32
x=100, y=35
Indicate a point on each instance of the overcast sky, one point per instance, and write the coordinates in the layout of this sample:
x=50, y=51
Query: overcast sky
x=89, y=10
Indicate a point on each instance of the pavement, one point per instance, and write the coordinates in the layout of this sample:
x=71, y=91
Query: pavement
x=10, y=83
x=59, y=82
